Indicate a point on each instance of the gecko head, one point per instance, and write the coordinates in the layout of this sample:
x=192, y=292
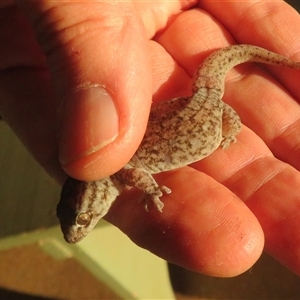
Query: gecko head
x=78, y=229
x=75, y=210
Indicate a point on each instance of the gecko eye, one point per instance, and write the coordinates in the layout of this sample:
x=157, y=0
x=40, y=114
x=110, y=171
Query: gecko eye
x=84, y=219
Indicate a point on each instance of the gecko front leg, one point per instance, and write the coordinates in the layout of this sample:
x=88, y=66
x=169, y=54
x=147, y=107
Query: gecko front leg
x=143, y=180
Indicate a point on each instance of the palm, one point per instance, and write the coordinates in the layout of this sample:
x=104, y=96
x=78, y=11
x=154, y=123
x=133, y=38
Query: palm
x=248, y=168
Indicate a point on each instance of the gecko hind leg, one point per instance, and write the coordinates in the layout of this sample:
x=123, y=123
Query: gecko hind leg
x=231, y=126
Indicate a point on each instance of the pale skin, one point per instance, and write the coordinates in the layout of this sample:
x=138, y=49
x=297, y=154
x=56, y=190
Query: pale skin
x=227, y=207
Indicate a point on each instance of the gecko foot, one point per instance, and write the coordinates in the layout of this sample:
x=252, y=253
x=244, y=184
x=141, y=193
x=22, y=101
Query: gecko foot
x=227, y=141
x=155, y=198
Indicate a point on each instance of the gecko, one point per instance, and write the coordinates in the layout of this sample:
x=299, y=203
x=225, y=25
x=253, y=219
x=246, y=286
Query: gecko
x=179, y=132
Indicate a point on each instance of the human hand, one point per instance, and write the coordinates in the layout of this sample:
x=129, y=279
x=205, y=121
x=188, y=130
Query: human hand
x=204, y=226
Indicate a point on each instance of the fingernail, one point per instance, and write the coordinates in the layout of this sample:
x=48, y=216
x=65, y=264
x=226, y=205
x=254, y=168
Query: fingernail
x=89, y=121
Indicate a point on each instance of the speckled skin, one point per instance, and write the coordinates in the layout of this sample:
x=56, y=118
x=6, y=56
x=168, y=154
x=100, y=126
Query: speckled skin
x=179, y=132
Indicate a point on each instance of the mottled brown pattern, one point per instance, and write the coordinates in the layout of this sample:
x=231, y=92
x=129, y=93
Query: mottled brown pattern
x=179, y=132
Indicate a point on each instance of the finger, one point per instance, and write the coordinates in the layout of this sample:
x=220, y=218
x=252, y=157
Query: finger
x=258, y=22
x=268, y=188
x=269, y=109
x=93, y=59
x=203, y=226
x=273, y=113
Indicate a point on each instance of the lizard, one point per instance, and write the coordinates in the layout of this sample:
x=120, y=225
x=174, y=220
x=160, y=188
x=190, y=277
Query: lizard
x=179, y=132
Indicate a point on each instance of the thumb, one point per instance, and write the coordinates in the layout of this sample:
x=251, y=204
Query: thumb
x=97, y=54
